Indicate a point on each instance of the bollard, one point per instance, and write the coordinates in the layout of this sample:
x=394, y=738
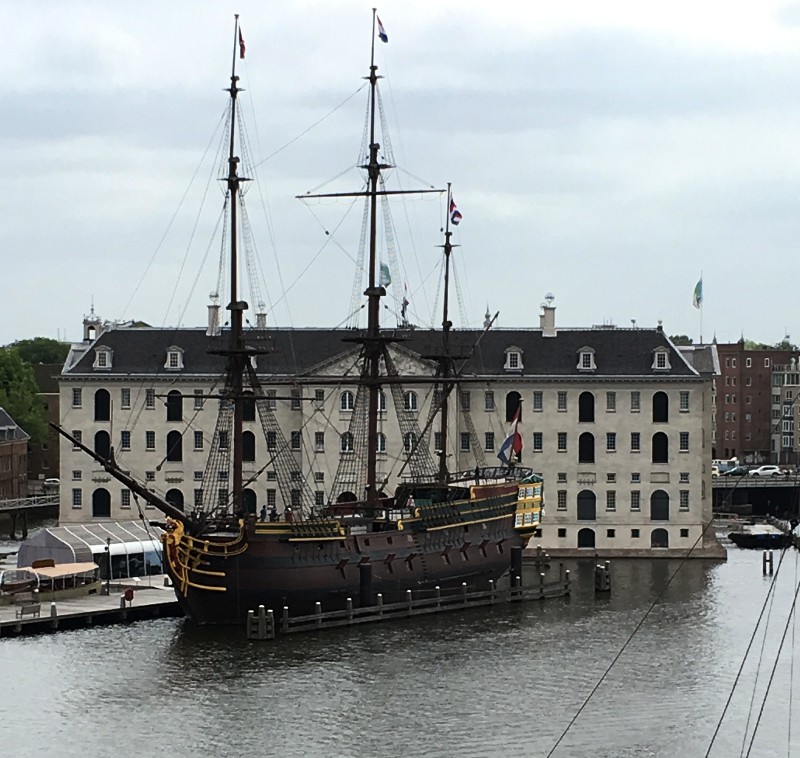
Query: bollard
x=285, y=619
x=491, y=590
x=270, y=625
x=602, y=577
x=409, y=601
x=318, y=611
x=566, y=582
x=53, y=610
x=464, y=592
x=250, y=624
x=438, y=596
x=541, y=584
x=262, y=623
x=379, y=602
x=349, y=605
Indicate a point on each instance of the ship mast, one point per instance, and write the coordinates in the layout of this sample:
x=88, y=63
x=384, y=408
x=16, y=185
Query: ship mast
x=236, y=350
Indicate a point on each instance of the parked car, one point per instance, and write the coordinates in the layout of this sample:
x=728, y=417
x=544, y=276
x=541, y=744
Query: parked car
x=714, y=471
x=735, y=471
x=767, y=470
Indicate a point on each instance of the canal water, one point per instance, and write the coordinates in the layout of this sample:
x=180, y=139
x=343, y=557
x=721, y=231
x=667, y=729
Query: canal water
x=488, y=682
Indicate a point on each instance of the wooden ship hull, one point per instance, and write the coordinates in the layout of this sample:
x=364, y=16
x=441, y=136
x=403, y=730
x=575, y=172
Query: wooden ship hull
x=218, y=579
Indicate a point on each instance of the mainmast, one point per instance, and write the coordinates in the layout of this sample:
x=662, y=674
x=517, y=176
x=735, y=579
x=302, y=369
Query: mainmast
x=236, y=349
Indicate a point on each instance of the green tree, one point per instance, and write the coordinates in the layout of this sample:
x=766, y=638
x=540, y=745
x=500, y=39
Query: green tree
x=41, y=350
x=18, y=395
x=681, y=339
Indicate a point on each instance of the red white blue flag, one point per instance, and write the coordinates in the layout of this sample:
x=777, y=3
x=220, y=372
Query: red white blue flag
x=514, y=440
x=381, y=31
x=241, y=45
x=455, y=214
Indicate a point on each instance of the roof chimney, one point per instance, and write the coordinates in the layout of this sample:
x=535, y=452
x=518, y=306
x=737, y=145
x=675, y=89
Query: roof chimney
x=214, y=329
x=547, y=318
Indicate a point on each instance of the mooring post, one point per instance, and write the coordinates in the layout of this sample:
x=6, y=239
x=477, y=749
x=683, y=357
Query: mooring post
x=602, y=577
x=566, y=582
x=541, y=584
x=379, y=603
x=516, y=565
x=270, y=625
x=349, y=606
x=410, y=601
x=438, y=596
x=464, y=592
x=491, y=590
x=262, y=622
x=365, y=585
x=285, y=619
x=251, y=620
x=318, y=611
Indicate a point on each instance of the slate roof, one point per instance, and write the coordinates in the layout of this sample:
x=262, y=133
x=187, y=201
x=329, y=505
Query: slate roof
x=618, y=352
x=9, y=430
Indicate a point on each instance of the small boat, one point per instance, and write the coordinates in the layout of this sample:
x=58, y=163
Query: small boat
x=760, y=536
x=53, y=581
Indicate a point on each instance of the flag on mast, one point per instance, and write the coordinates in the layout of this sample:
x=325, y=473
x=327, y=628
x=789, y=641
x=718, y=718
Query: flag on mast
x=385, y=275
x=455, y=214
x=241, y=45
x=514, y=440
x=697, y=297
x=381, y=31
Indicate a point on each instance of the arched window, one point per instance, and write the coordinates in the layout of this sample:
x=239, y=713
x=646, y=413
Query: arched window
x=101, y=503
x=346, y=401
x=586, y=448
x=660, y=448
x=659, y=506
x=102, y=444
x=513, y=402
x=175, y=497
x=346, y=497
x=102, y=406
x=174, y=406
x=410, y=401
x=381, y=401
x=380, y=442
x=586, y=407
x=659, y=538
x=409, y=441
x=586, y=538
x=346, y=443
x=587, y=506
x=248, y=407
x=248, y=446
x=660, y=408
x=174, y=446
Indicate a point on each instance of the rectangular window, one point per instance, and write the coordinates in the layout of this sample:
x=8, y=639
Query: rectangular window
x=489, y=440
x=684, y=476
x=125, y=499
x=562, y=401
x=198, y=498
x=766, y=362
x=125, y=397
x=272, y=440
x=76, y=475
x=198, y=440
x=295, y=498
x=272, y=399
x=611, y=478
x=611, y=442
x=78, y=435
x=319, y=442
x=295, y=476
x=488, y=400
x=634, y=533
x=636, y=442
x=437, y=440
x=636, y=477
x=198, y=476
x=150, y=398
x=611, y=500
x=77, y=397
x=748, y=382
x=684, y=441
x=272, y=476
x=562, y=500
x=513, y=360
x=636, y=400
x=149, y=440
x=684, y=402
x=125, y=440
x=272, y=498
x=319, y=476
x=296, y=400
x=319, y=498
x=465, y=440
x=748, y=362
x=538, y=442
x=150, y=476
x=611, y=401
x=733, y=362
x=198, y=400
x=562, y=477
x=295, y=442
x=222, y=497
x=684, y=500
x=562, y=442
x=319, y=396
x=465, y=401
x=562, y=533
x=611, y=533
x=77, y=497
x=636, y=500
x=223, y=440
x=538, y=403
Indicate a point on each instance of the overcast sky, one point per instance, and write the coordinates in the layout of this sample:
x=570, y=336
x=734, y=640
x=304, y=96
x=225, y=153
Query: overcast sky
x=607, y=153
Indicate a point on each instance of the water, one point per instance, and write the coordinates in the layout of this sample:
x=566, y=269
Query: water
x=504, y=681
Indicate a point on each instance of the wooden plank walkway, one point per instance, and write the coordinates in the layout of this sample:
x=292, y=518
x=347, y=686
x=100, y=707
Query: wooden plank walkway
x=91, y=610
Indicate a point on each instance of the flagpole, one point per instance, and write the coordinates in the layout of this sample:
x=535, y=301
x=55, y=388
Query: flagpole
x=701, y=307
x=372, y=50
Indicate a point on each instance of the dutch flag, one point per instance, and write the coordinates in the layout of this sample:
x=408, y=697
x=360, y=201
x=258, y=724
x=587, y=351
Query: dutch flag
x=514, y=440
x=455, y=214
x=381, y=31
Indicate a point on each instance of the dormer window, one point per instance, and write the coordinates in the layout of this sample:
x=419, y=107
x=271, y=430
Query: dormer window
x=103, y=358
x=661, y=359
x=513, y=359
x=174, y=359
x=586, y=359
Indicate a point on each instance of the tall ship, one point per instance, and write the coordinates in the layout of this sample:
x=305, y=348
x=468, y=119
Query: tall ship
x=436, y=528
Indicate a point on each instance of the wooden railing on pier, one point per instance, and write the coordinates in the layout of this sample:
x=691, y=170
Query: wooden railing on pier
x=263, y=624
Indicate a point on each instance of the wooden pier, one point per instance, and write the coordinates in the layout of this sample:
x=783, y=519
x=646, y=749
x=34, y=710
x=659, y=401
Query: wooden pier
x=264, y=624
